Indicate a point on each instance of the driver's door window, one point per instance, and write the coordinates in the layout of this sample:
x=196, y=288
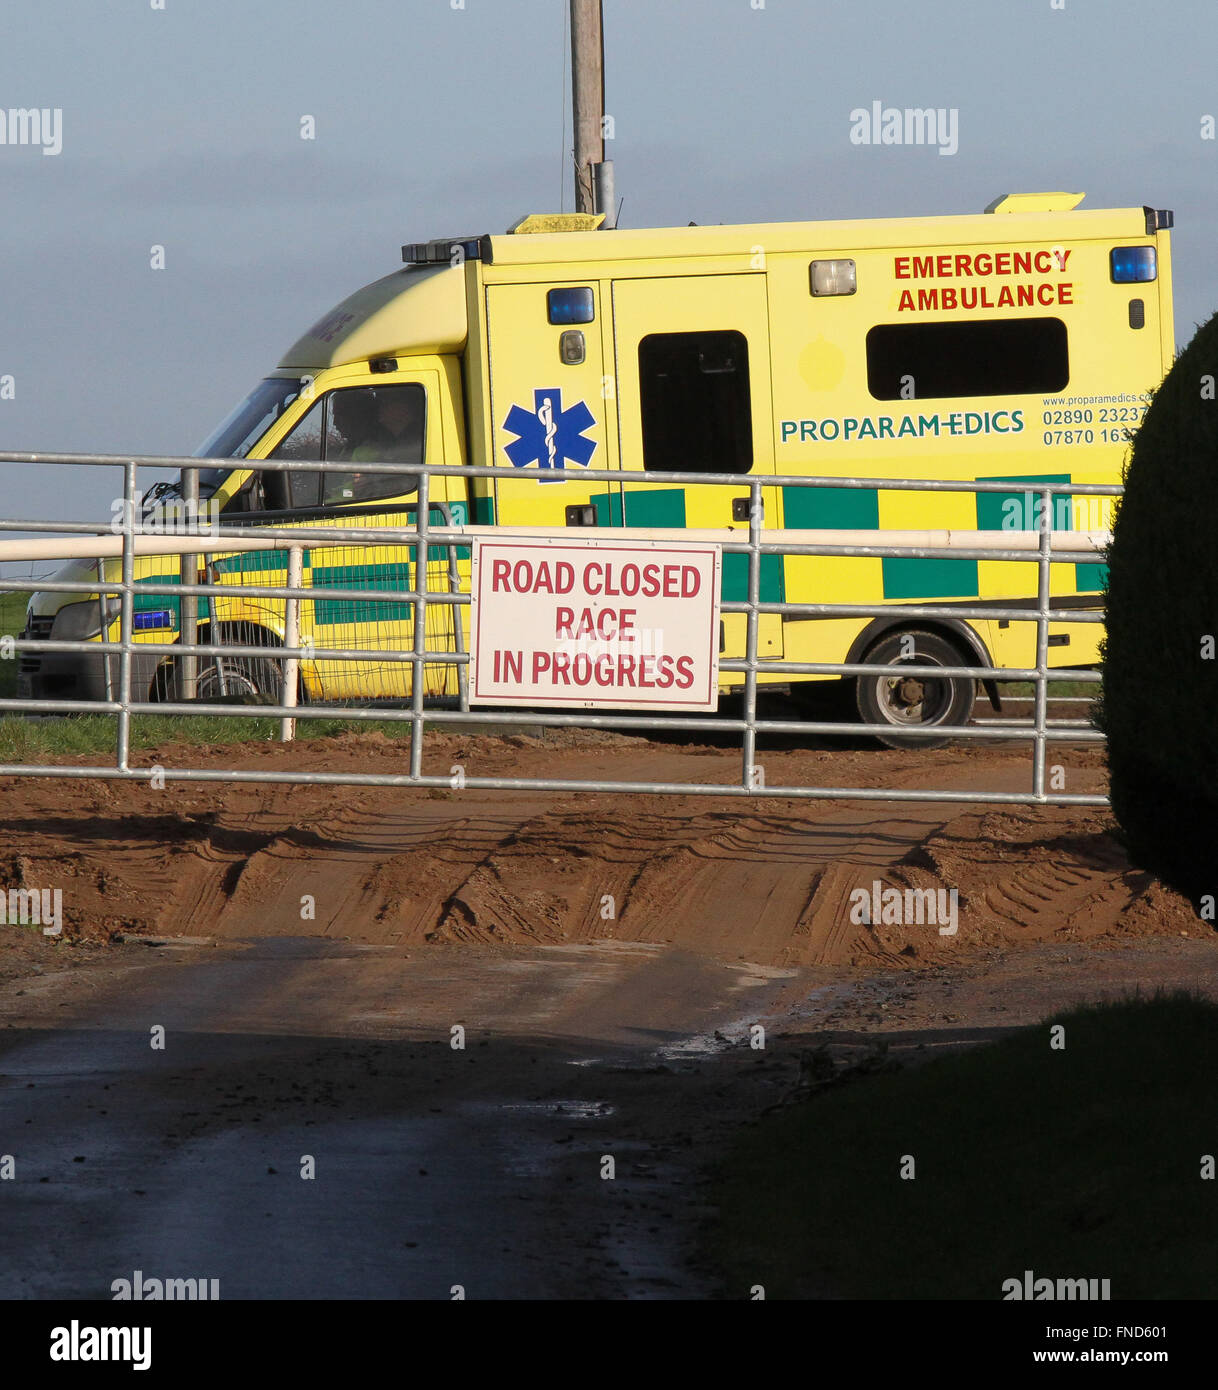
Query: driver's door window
x=361, y=425
x=369, y=425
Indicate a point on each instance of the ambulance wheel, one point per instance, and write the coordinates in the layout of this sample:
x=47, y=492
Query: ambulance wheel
x=231, y=679
x=917, y=700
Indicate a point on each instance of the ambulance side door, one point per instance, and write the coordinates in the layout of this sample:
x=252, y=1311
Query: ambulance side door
x=548, y=411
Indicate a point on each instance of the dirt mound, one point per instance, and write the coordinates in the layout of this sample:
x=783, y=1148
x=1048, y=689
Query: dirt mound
x=1024, y=876
x=787, y=883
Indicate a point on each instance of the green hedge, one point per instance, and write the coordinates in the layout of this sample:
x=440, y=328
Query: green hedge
x=1159, y=704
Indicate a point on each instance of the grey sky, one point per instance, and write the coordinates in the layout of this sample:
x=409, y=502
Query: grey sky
x=181, y=128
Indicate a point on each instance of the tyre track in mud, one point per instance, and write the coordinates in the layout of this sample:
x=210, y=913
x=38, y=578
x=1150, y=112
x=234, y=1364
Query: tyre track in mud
x=767, y=881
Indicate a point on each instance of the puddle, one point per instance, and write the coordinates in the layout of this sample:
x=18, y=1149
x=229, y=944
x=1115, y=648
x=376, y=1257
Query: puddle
x=709, y=1044
x=639, y=948
x=560, y=1109
x=699, y=1045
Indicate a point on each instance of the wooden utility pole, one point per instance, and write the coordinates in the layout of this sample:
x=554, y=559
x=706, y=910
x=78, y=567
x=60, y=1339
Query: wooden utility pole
x=588, y=97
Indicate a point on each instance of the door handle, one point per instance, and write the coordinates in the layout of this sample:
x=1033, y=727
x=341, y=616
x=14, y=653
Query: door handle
x=740, y=508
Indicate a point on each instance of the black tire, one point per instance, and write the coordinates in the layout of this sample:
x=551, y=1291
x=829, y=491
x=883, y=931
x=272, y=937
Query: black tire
x=914, y=701
x=224, y=679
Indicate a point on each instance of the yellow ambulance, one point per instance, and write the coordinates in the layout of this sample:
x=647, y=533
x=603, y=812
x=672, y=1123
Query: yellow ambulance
x=1017, y=344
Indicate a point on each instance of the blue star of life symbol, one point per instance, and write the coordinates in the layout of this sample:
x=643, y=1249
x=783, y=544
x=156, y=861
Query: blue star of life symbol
x=549, y=436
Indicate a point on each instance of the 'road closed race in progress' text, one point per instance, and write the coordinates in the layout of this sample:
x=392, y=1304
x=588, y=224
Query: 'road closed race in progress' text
x=590, y=622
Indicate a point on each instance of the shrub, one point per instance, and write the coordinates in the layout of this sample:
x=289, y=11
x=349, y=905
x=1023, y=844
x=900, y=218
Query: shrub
x=1159, y=705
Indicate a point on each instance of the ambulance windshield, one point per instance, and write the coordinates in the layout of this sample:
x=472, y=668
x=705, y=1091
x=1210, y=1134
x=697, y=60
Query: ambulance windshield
x=235, y=436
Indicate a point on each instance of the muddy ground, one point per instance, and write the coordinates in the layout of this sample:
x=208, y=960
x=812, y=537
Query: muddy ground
x=605, y=958
x=761, y=880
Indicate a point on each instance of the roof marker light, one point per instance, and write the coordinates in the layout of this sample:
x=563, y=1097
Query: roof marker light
x=571, y=305
x=454, y=250
x=1134, y=265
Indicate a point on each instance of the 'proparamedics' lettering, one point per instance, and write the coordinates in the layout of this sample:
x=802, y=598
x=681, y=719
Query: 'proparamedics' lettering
x=958, y=422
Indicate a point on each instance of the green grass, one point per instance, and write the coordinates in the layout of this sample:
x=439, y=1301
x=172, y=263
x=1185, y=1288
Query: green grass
x=1077, y=1163
x=12, y=620
x=53, y=740
x=1058, y=690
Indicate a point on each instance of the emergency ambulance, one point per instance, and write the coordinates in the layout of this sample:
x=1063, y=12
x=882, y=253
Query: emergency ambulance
x=1018, y=344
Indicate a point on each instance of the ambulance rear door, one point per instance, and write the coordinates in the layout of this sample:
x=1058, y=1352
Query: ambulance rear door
x=693, y=395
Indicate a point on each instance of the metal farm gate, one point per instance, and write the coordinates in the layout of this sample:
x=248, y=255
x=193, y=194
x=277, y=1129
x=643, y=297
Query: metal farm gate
x=218, y=675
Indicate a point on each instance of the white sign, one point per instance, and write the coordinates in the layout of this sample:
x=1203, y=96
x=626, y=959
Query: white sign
x=590, y=623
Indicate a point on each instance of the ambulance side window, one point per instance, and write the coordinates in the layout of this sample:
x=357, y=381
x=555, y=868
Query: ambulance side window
x=988, y=357
x=694, y=401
